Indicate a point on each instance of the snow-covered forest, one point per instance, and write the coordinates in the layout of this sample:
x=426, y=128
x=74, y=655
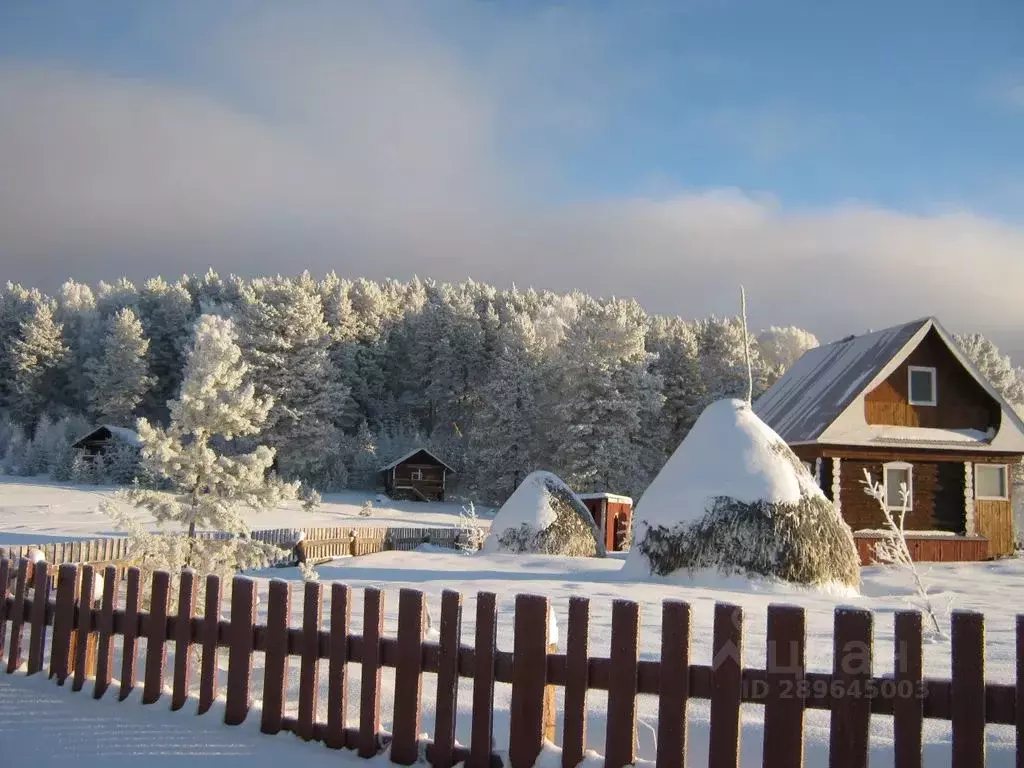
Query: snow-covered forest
x=497, y=382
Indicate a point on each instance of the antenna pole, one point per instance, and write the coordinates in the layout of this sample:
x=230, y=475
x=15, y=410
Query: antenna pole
x=746, y=347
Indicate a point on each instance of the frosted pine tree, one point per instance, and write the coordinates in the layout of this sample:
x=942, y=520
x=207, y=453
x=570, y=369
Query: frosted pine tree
x=37, y=359
x=995, y=366
x=677, y=363
x=723, y=366
x=209, y=488
x=119, y=376
x=77, y=313
x=167, y=317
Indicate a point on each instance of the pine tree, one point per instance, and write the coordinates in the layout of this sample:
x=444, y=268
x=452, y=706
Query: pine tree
x=167, y=317
x=208, y=488
x=995, y=366
x=37, y=359
x=723, y=365
x=118, y=376
x=678, y=364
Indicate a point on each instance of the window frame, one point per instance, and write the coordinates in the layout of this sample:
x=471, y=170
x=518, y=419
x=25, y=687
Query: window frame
x=911, y=370
x=909, y=469
x=1006, y=482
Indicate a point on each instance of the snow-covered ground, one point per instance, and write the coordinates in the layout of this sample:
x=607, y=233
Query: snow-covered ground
x=38, y=511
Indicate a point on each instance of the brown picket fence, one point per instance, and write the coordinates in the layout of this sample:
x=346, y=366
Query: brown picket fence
x=81, y=636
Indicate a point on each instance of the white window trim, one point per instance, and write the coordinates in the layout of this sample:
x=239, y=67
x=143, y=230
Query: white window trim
x=910, y=484
x=911, y=370
x=1006, y=482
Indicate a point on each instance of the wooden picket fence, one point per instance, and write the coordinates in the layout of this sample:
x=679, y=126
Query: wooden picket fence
x=81, y=641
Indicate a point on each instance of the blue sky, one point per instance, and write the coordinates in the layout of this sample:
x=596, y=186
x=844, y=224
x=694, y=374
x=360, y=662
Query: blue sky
x=557, y=144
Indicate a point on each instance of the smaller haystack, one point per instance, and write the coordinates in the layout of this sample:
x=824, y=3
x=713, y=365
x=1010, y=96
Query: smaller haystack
x=735, y=499
x=543, y=516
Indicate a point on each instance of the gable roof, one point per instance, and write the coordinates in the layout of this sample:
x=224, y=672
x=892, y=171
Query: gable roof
x=121, y=434
x=820, y=398
x=412, y=453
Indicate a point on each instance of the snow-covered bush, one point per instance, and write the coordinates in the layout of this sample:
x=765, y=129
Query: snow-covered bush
x=367, y=509
x=472, y=533
x=544, y=516
x=735, y=499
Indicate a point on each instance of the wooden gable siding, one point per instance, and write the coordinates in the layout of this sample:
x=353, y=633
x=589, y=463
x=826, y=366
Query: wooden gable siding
x=962, y=403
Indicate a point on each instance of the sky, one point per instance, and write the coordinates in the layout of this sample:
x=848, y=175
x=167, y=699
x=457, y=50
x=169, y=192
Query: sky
x=854, y=165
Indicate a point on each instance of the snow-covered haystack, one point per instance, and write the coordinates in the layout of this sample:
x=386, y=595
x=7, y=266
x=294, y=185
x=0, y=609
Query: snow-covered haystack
x=734, y=498
x=543, y=516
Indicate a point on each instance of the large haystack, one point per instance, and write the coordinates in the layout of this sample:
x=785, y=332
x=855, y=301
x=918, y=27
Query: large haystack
x=734, y=498
x=543, y=516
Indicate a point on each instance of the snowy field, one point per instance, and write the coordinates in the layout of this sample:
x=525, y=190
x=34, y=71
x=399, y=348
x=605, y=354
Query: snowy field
x=41, y=511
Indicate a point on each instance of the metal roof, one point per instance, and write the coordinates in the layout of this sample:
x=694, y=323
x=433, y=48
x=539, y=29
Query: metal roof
x=812, y=394
x=412, y=453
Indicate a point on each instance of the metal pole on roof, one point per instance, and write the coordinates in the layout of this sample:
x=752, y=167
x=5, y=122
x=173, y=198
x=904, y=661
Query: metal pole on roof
x=746, y=347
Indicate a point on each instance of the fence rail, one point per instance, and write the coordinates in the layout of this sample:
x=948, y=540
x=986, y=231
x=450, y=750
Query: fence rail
x=81, y=634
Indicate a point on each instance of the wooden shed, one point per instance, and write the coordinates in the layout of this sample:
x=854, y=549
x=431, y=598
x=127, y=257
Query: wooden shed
x=99, y=440
x=613, y=515
x=418, y=475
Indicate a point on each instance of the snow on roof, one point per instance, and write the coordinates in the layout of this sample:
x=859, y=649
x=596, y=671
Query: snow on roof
x=412, y=453
x=957, y=438
x=813, y=393
x=610, y=496
x=728, y=452
x=123, y=434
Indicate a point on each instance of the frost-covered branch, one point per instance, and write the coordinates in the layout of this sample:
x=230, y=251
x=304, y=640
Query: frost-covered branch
x=893, y=548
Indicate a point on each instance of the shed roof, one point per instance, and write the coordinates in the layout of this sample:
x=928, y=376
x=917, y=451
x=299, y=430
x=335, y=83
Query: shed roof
x=820, y=398
x=121, y=434
x=410, y=454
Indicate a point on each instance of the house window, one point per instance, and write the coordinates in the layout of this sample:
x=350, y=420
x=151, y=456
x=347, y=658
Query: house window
x=898, y=474
x=416, y=474
x=990, y=481
x=921, y=385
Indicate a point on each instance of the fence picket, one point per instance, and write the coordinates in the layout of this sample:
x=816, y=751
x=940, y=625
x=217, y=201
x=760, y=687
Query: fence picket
x=275, y=658
x=211, y=649
x=784, y=706
x=130, y=646
x=442, y=754
x=1019, y=692
x=620, y=736
x=908, y=711
x=5, y=585
x=408, y=677
x=183, y=639
x=530, y=661
x=85, y=630
x=17, y=616
x=309, y=684
x=63, y=623
x=369, y=699
x=238, y=699
x=726, y=686
x=851, y=671
x=37, y=634
x=577, y=679
x=156, y=638
x=105, y=646
x=968, y=688
x=337, y=666
x=673, y=684
x=483, y=680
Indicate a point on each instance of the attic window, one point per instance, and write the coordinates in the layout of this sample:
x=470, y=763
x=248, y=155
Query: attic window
x=921, y=385
x=898, y=474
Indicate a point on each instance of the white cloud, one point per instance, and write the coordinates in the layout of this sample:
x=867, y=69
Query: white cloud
x=375, y=150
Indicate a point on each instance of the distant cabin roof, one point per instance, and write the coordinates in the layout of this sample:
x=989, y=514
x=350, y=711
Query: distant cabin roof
x=820, y=398
x=410, y=454
x=108, y=432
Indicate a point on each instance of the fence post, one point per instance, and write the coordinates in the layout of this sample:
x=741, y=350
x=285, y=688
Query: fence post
x=408, y=677
x=130, y=645
x=1020, y=690
x=577, y=678
x=275, y=661
x=337, y=666
x=240, y=649
x=369, y=699
x=673, y=684
x=529, y=664
x=183, y=639
x=63, y=623
x=968, y=688
x=17, y=617
x=620, y=739
x=37, y=636
x=446, y=704
x=483, y=681
x=309, y=687
x=851, y=671
x=156, y=638
x=726, y=686
x=105, y=647
x=85, y=631
x=784, y=707
x=5, y=585
x=210, y=642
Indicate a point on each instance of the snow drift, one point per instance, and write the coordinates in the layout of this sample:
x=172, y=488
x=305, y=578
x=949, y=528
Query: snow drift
x=734, y=498
x=544, y=516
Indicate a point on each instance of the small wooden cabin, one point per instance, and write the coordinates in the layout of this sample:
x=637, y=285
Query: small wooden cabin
x=419, y=475
x=101, y=439
x=906, y=405
x=612, y=514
